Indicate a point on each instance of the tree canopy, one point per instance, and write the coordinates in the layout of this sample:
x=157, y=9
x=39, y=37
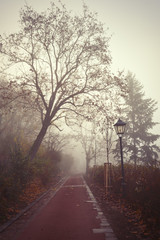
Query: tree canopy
x=59, y=62
x=140, y=142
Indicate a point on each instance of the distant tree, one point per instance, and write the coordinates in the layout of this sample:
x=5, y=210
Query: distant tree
x=88, y=144
x=56, y=141
x=139, y=143
x=59, y=60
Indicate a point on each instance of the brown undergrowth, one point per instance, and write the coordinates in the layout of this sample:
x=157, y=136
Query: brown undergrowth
x=33, y=190
x=127, y=216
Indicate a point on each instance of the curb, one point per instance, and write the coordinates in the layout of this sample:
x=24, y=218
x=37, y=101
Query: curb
x=104, y=225
x=17, y=216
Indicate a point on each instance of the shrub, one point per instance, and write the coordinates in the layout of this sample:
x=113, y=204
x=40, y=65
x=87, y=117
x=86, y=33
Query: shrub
x=45, y=166
x=96, y=174
x=142, y=188
x=17, y=173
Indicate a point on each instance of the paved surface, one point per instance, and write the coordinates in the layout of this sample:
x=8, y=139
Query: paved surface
x=72, y=214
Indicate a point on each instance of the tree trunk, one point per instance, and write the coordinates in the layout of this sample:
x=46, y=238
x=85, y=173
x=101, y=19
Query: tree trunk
x=34, y=149
x=87, y=167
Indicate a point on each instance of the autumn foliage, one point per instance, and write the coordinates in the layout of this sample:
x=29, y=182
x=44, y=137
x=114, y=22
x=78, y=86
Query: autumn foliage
x=142, y=192
x=22, y=181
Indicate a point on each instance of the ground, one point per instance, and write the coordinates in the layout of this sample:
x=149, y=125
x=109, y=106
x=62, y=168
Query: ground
x=125, y=222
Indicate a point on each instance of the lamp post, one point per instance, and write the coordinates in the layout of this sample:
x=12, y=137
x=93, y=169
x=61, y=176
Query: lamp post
x=120, y=128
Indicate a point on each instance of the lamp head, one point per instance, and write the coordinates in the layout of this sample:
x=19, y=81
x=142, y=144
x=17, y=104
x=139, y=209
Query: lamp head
x=120, y=127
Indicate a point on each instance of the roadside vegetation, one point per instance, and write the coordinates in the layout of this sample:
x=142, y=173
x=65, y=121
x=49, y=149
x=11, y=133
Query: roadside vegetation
x=23, y=181
x=141, y=204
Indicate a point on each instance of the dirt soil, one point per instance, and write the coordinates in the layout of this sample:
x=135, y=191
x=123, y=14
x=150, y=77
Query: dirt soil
x=125, y=222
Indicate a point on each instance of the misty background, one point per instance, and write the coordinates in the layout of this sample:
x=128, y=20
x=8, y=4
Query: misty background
x=134, y=45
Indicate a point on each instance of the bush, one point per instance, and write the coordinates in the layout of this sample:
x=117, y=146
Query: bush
x=45, y=166
x=17, y=173
x=142, y=188
x=96, y=175
x=14, y=175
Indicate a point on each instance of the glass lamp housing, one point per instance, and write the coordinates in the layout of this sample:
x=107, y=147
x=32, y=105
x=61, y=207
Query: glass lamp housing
x=120, y=127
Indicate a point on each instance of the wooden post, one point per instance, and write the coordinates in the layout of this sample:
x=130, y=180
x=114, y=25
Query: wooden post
x=107, y=177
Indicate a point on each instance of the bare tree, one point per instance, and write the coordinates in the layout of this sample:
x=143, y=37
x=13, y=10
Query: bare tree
x=59, y=61
x=88, y=146
x=56, y=141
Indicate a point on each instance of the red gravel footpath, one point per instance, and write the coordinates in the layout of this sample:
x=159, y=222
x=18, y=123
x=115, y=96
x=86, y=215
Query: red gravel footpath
x=68, y=215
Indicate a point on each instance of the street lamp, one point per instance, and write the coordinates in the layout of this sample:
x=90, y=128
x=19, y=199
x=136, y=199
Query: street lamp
x=120, y=128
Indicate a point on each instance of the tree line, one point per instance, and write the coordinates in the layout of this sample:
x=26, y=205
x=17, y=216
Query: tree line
x=55, y=71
